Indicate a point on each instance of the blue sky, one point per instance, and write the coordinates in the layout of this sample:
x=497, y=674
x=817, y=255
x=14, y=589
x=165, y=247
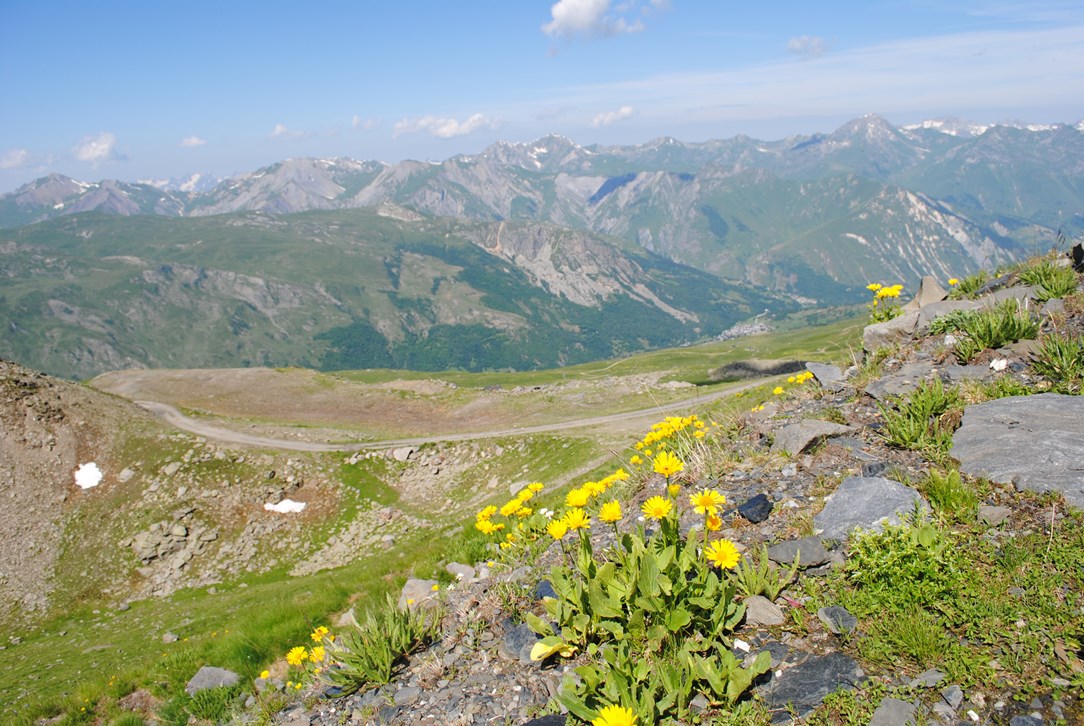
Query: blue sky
x=156, y=89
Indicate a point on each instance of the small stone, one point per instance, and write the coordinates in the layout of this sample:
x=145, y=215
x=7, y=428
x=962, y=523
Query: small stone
x=544, y=589
x=796, y=438
x=805, y=685
x=209, y=677
x=123, y=607
x=809, y=552
x=698, y=704
x=170, y=638
x=762, y=611
x=893, y=712
x=757, y=509
x=837, y=619
x=518, y=642
x=416, y=592
x=1031, y=719
x=461, y=572
x=993, y=516
x=407, y=695
x=927, y=679
x=551, y=720
x=953, y=696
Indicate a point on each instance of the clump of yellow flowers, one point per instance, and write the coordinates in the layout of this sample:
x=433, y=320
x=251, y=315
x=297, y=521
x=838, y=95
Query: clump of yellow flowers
x=885, y=303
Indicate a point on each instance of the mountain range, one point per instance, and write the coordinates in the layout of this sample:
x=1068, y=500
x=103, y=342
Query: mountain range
x=539, y=236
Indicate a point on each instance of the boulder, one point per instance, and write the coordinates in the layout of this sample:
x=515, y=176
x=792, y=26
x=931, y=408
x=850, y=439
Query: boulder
x=866, y=503
x=879, y=335
x=1050, y=425
x=830, y=377
x=809, y=551
x=804, y=686
x=929, y=292
x=416, y=593
x=762, y=611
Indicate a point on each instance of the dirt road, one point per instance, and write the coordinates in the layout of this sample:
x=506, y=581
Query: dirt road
x=171, y=415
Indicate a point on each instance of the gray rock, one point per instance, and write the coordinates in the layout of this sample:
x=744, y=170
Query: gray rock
x=901, y=382
x=403, y=453
x=879, y=335
x=762, y=611
x=551, y=720
x=805, y=686
x=464, y=573
x=927, y=679
x=993, y=516
x=929, y=292
x=936, y=310
x=796, y=438
x=211, y=677
x=170, y=637
x=893, y=712
x=518, y=642
x=838, y=619
x=866, y=502
x=125, y=475
x=830, y=377
x=992, y=435
x=407, y=695
x=957, y=374
x=1052, y=307
x=809, y=551
x=171, y=468
x=1031, y=719
x=1019, y=293
x=953, y=696
x=415, y=593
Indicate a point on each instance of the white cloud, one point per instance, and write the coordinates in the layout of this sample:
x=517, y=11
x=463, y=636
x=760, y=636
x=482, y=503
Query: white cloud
x=364, y=124
x=191, y=141
x=281, y=132
x=612, y=117
x=15, y=159
x=810, y=46
x=97, y=148
x=444, y=128
x=588, y=18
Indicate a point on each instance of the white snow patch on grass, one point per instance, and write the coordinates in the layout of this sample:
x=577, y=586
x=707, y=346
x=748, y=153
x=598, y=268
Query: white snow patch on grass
x=88, y=476
x=285, y=506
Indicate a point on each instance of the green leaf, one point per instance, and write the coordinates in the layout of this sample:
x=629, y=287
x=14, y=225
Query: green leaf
x=537, y=624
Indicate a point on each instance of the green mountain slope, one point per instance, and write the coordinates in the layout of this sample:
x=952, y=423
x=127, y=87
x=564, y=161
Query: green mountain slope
x=343, y=289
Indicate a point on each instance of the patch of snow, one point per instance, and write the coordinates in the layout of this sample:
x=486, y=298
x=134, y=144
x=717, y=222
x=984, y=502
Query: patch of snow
x=58, y=205
x=286, y=506
x=88, y=476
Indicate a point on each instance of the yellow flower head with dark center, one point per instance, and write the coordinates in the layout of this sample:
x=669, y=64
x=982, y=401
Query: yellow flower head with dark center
x=577, y=519
x=615, y=716
x=486, y=513
x=610, y=511
x=316, y=655
x=656, y=508
x=713, y=522
x=722, y=553
x=297, y=656
x=318, y=634
x=577, y=498
x=667, y=464
x=536, y=487
x=557, y=528
x=707, y=501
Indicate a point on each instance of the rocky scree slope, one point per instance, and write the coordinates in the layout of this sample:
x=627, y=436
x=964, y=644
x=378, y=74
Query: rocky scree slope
x=801, y=472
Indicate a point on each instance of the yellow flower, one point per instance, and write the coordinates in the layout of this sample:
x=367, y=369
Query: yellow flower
x=636, y=460
x=316, y=654
x=265, y=674
x=524, y=495
x=790, y=379
x=722, y=553
x=656, y=508
x=557, y=528
x=298, y=686
x=667, y=464
x=297, y=656
x=536, y=487
x=615, y=716
x=486, y=513
x=577, y=498
x=647, y=452
x=610, y=512
x=410, y=601
x=523, y=512
x=707, y=501
x=673, y=490
x=874, y=286
x=713, y=522
x=594, y=488
x=318, y=634
x=509, y=509
x=620, y=475
x=778, y=390
x=435, y=587
x=698, y=434
x=485, y=526
x=953, y=281
x=577, y=519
